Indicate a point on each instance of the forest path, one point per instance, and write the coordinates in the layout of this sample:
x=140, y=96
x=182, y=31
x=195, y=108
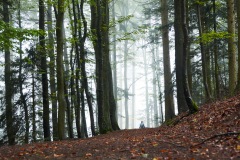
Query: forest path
x=212, y=133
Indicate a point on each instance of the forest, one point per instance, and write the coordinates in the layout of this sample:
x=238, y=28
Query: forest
x=80, y=68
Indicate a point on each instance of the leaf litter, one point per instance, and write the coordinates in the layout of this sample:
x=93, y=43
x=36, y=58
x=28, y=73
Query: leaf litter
x=211, y=133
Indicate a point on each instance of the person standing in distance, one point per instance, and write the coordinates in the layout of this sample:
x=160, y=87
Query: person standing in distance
x=142, y=125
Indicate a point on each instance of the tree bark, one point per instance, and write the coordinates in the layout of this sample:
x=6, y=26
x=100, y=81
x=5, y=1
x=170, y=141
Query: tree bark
x=126, y=84
x=216, y=70
x=168, y=86
x=60, y=74
x=238, y=22
x=231, y=46
x=203, y=55
x=52, y=66
x=191, y=104
x=156, y=115
x=100, y=28
x=42, y=51
x=22, y=96
x=182, y=106
x=8, y=80
x=77, y=100
x=83, y=68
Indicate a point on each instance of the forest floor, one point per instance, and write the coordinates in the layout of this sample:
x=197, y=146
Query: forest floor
x=211, y=133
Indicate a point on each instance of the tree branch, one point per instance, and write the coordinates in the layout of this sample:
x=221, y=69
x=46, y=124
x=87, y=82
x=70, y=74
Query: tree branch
x=217, y=135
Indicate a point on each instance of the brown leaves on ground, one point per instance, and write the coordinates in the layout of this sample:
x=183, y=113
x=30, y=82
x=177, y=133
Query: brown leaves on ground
x=212, y=133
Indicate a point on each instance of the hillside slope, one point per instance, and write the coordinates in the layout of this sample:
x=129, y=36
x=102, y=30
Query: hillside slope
x=212, y=133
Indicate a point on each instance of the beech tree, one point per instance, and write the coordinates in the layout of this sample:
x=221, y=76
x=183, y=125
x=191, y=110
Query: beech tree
x=191, y=104
x=8, y=82
x=238, y=22
x=52, y=67
x=231, y=46
x=168, y=86
x=42, y=51
x=182, y=106
x=60, y=75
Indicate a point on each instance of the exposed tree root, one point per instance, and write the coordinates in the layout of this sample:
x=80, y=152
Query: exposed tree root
x=218, y=135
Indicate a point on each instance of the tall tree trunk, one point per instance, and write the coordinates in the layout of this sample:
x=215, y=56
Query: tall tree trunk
x=22, y=96
x=112, y=100
x=113, y=79
x=8, y=80
x=146, y=88
x=168, y=87
x=238, y=21
x=182, y=106
x=52, y=71
x=231, y=46
x=133, y=92
x=158, y=82
x=34, y=130
x=216, y=70
x=77, y=72
x=107, y=73
x=191, y=104
x=73, y=98
x=203, y=55
x=114, y=53
x=100, y=27
x=60, y=75
x=66, y=86
x=46, y=125
x=83, y=67
x=126, y=84
x=154, y=90
x=189, y=60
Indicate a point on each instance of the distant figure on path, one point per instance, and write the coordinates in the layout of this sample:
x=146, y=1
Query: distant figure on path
x=141, y=125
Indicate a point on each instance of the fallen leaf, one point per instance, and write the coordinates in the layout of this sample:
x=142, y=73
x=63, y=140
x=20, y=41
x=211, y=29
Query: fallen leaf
x=238, y=147
x=57, y=155
x=88, y=154
x=154, y=144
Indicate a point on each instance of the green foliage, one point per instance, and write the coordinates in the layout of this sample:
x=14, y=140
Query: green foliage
x=120, y=20
x=195, y=106
x=92, y=2
x=131, y=35
x=9, y=34
x=201, y=2
x=211, y=36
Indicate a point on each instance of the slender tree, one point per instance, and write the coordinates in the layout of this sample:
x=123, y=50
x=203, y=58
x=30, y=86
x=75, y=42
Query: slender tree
x=60, y=75
x=126, y=83
x=238, y=22
x=146, y=88
x=8, y=81
x=52, y=66
x=77, y=71
x=182, y=106
x=168, y=87
x=83, y=67
x=154, y=82
x=203, y=55
x=231, y=46
x=191, y=104
x=215, y=50
x=20, y=77
x=42, y=51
